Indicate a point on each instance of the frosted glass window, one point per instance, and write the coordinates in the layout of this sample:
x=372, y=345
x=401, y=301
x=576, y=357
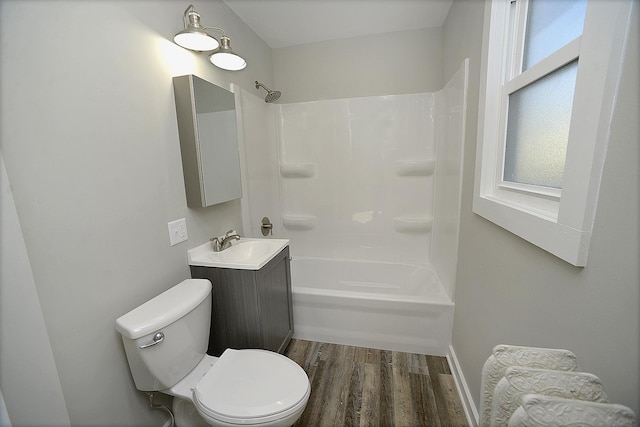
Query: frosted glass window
x=538, y=129
x=551, y=24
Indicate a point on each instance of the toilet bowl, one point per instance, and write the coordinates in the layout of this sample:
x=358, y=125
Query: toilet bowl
x=242, y=387
x=165, y=341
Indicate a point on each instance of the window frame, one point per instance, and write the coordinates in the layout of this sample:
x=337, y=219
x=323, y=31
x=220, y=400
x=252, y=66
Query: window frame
x=558, y=221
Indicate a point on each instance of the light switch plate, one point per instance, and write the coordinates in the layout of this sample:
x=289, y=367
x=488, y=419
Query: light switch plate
x=178, y=231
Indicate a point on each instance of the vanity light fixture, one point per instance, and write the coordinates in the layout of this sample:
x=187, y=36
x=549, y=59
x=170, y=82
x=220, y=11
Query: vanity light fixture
x=195, y=37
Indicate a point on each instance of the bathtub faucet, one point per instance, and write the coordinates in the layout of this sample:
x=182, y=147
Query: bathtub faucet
x=223, y=242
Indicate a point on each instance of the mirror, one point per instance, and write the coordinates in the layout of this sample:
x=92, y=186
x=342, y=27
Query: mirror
x=208, y=141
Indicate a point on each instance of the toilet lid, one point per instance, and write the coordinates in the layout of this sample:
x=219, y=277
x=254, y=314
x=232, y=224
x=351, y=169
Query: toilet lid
x=250, y=384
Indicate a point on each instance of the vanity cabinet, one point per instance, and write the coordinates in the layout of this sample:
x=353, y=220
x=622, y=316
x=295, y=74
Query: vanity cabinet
x=250, y=308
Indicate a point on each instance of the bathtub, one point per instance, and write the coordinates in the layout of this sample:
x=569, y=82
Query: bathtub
x=390, y=306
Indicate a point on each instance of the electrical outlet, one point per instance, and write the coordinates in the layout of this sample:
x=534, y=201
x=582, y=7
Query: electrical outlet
x=178, y=231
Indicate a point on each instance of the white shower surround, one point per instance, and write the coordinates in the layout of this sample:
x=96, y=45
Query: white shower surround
x=355, y=187
x=358, y=192
x=356, y=181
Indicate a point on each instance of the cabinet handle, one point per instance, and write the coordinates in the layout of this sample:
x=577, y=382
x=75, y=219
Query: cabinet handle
x=157, y=339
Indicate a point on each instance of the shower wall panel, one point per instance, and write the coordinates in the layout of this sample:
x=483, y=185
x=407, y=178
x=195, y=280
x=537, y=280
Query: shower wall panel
x=356, y=177
x=451, y=108
x=259, y=159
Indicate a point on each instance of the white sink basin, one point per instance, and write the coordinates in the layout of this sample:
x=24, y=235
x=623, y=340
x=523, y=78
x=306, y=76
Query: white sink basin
x=243, y=254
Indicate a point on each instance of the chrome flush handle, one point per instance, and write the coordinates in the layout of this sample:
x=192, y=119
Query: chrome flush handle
x=157, y=339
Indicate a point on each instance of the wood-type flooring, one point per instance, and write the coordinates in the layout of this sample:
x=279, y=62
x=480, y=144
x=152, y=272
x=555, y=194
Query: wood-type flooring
x=355, y=386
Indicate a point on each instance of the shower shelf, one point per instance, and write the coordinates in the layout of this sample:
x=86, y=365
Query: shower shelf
x=414, y=167
x=297, y=170
x=412, y=224
x=299, y=222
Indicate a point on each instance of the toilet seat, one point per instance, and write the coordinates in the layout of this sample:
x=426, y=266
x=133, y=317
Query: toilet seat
x=251, y=387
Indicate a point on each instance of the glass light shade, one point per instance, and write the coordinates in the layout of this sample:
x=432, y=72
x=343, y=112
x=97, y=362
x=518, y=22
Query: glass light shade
x=194, y=39
x=225, y=58
x=227, y=61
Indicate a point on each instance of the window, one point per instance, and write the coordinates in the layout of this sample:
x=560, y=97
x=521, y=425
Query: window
x=550, y=72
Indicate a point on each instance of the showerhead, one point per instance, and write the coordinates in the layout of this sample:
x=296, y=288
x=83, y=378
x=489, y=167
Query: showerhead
x=272, y=95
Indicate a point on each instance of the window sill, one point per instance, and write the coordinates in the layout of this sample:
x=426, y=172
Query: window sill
x=566, y=243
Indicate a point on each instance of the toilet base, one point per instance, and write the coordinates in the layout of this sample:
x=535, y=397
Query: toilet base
x=186, y=415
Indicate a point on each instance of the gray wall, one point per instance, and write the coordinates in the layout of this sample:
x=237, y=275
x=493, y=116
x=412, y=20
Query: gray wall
x=509, y=291
x=25, y=351
x=386, y=64
x=90, y=143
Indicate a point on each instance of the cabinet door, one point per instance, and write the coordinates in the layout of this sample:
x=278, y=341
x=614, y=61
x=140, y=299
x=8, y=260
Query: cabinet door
x=274, y=291
x=235, y=321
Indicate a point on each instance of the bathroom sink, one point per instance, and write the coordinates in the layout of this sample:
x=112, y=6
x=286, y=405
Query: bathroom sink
x=243, y=254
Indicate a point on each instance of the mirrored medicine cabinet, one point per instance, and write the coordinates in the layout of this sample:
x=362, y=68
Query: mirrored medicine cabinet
x=208, y=141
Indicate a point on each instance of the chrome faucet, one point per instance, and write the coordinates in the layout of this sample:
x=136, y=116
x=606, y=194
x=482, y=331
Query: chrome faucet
x=223, y=242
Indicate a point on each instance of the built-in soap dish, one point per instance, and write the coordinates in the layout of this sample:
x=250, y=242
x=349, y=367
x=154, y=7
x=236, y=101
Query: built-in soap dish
x=299, y=222
x=297, y=170
x=414, y=167
x=412, y=224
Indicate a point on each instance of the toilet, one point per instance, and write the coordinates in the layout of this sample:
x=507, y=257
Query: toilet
x=165, y=340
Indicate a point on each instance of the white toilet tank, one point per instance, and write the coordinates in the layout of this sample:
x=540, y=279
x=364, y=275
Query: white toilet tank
x=176, y=324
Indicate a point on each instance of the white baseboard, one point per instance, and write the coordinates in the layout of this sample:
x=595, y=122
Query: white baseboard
x=470, y=411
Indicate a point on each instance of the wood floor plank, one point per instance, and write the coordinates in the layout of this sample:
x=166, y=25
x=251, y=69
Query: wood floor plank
x=313, y=412
x=298, y=351
x=426, y=412
x=336, y=409
x=353, y=404
x=361, y=355
x=437, y=365
x=386, y=389
x=450, y=409
x=334, y=383
x=418, y=364
x=373, y=356
x=370, y=408
x=353, y=386
x=452, y=412
x=402, y=399
x=311, y=362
